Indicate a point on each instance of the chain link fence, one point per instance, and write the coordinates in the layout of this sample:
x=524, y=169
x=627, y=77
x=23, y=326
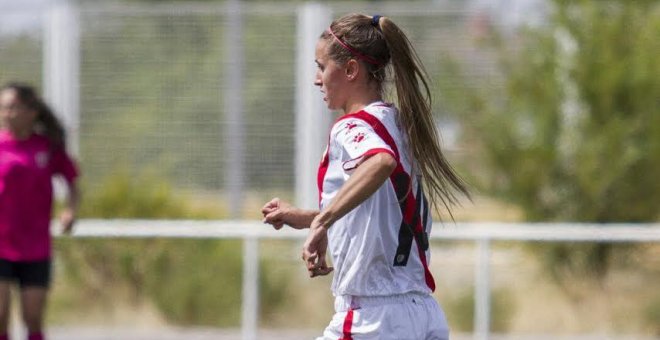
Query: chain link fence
x=154, y=84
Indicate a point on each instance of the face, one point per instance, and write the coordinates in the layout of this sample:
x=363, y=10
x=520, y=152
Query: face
x=15, y=115
x=330, y=78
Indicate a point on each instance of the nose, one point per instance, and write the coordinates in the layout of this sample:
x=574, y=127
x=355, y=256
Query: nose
x=317, y=79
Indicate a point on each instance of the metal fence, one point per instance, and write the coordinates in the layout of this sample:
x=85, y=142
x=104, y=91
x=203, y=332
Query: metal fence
x=209, y=96
x=483, y=234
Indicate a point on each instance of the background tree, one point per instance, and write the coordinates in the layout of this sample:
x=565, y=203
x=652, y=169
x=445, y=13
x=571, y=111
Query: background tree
x=574, y=135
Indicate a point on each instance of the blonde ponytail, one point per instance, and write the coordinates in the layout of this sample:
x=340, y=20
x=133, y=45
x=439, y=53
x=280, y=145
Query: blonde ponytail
x=416, y=117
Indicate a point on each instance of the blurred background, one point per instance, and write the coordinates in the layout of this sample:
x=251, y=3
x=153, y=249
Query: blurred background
x=181, y=110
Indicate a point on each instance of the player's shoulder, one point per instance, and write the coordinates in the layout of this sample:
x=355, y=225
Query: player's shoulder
x=367, y=116
x=381, y=110
x=35, y=140
x=349, y=123
x=39, y=141
x=39, y=138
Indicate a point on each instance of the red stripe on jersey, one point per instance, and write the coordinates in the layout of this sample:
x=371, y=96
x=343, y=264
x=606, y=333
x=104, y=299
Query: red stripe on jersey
x=409, y=209
x=323, y=169
x=350, y=166
x=348, y=324
x=378, y=127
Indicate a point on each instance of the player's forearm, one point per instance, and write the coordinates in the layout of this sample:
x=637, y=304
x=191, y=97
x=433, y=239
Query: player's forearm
x=73, y=198
x=302, y=218
x=69, y=213
x=367, y=178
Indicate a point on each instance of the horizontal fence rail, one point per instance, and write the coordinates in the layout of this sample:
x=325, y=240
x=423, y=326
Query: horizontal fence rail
x=481, y=233
x=573, y=232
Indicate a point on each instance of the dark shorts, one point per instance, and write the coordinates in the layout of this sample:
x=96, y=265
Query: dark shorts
x=29, y=273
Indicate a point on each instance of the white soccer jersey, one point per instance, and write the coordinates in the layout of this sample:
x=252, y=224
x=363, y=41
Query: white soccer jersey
x=381, y=246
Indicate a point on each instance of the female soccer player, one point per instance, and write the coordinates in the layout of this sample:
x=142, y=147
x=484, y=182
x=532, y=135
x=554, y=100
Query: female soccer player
x=380, y=159
x=32, y=151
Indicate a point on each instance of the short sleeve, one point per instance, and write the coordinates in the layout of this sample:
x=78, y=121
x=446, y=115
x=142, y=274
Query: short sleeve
x=63, y=165
x=358, y=141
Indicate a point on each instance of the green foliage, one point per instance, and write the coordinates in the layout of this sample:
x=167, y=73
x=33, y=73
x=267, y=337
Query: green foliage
x=274, y=280
x=197, y=282
x=190, y=281
x=155, y=94
x=26, y=49
x=652, y=315
x=161, y=101
x=460, y=311
x=577, y=260
x=145, y=195
x=574, y=135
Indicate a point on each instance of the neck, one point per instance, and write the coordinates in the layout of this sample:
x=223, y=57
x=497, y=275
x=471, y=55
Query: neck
x=21, y=134
x=361, y=102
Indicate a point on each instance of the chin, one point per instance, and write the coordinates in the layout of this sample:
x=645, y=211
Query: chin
x=332, y=106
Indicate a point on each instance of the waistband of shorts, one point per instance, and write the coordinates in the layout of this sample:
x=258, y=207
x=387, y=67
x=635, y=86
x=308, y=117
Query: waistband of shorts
x=346, y=302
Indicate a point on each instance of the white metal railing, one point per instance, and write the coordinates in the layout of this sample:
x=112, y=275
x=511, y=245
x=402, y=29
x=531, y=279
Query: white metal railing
x=481, y=233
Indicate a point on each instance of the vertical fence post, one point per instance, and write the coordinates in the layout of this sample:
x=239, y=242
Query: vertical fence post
x=233, y=104
x=60, y=83
x=482, y=290
x=250, y=306
x=570, y=112
x=312, y=117
x=61, y=67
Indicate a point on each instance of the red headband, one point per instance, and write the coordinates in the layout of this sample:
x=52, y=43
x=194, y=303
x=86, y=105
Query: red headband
x=353, y=51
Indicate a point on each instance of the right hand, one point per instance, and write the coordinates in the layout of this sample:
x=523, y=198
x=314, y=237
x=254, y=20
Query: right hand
x=278, y=213
x=314, y=250
x=67, y=219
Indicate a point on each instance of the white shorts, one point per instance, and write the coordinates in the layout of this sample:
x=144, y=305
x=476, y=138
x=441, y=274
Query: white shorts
x=409, y=316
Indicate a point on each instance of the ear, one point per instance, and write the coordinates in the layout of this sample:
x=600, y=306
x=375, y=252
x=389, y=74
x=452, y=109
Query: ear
x=352, y=69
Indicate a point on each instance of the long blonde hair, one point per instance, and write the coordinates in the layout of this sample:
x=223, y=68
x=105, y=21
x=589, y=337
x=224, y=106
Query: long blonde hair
x=380, y=44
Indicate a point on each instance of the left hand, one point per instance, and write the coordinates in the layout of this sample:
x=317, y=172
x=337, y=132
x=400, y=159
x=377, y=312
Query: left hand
x=272, y=212
x=67, y=219
x=314, y=250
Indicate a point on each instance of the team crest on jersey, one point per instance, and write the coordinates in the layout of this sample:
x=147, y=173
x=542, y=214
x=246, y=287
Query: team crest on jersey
x=351, y=125
x=359, y=137
x=41, y=159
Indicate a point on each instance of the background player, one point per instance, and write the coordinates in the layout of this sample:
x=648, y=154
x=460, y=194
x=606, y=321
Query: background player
x=32, y=151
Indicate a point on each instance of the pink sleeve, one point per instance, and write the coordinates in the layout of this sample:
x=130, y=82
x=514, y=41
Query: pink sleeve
x=65, y=166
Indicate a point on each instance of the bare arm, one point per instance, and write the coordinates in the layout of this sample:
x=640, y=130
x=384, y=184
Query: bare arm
x=363, y=183
x=278, y=213
x=70, y=211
